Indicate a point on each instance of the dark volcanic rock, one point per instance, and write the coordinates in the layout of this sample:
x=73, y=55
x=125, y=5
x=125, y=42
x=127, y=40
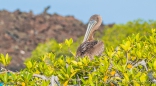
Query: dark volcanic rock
x=20, y=32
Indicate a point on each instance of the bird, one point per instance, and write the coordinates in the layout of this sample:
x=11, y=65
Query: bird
x=90, y=47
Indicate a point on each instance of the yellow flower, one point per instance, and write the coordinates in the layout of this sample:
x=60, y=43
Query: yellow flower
x=112, y=73
x=105, y=78
x=23, y=84
x=129, y=66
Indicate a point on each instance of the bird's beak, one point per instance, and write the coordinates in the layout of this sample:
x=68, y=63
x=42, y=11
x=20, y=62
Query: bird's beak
x=91, y=24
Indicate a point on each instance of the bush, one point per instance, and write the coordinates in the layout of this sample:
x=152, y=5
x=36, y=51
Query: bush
x=111, y=36
x=131, y=62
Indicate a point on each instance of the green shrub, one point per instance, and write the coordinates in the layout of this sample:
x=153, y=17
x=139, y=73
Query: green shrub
x=113, y=36
x=131, y=62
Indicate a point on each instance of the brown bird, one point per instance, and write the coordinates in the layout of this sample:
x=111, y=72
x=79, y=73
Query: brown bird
x=89, y=46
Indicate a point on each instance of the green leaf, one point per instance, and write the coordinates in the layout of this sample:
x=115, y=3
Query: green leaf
x=60, y=45
x=91, y=79
x=5, y=79
x=69, y=42
x=137, y=37
x=5, y=60
x=126, y=46
x=154, y=65
x=152, y=39
x=74, y=62
x=126, y=77
x=143, y=78
x=28, y=64
x=61, y=77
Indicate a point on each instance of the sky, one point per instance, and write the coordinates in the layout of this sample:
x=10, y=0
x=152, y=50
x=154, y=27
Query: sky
x=112, y=11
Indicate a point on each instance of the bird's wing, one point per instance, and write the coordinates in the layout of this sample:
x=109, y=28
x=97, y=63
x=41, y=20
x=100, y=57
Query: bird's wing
x=86, y=46
x=97, y=49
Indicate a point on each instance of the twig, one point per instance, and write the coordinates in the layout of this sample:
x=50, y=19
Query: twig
x=143, y=63
x=78, y=80
x=151, y=77
x=41, y=76
x=54, y=81
x=126, y=58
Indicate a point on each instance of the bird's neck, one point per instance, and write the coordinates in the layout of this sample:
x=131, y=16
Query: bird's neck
x=91, y=37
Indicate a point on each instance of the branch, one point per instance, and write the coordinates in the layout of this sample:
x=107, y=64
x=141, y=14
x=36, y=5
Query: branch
x=41, y=76
x=54, y=81
x=143, y=63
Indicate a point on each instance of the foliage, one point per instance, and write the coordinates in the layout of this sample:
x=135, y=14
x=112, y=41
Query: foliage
x=132, y=62
x=5, y=60
x=113, y=36
x=53, y=46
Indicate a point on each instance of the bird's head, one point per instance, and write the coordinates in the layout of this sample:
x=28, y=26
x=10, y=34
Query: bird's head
x=94, y=23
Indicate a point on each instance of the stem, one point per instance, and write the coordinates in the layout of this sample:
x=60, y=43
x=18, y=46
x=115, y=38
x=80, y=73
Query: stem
x=126, y=58
x=78, y=80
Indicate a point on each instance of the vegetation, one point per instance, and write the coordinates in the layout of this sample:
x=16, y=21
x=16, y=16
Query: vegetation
x=113, y=36
x=128, y=59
